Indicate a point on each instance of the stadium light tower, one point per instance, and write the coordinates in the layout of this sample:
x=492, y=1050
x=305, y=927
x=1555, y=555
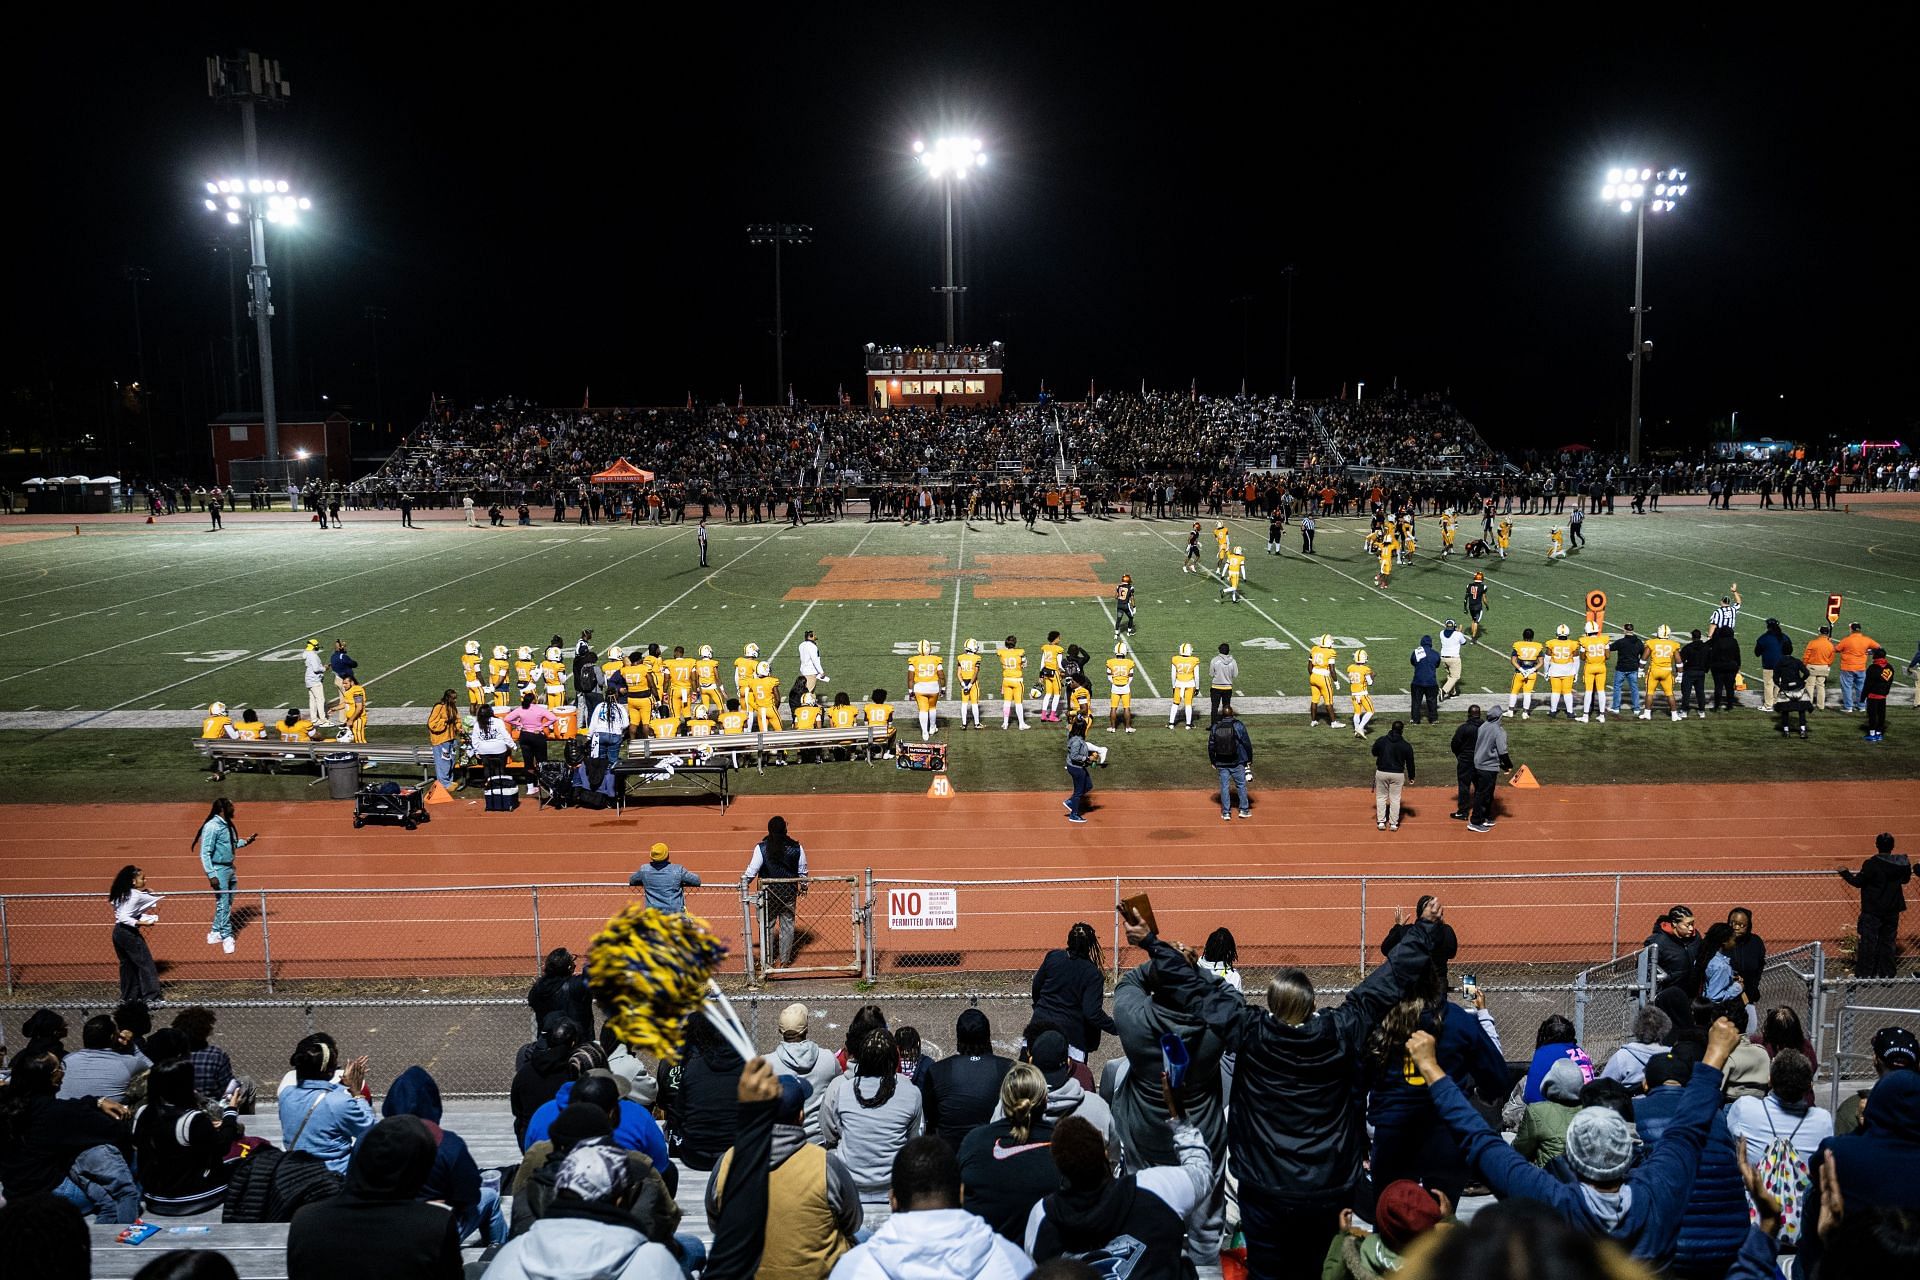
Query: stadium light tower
x=778, y=234
x=948, y=161
x=1638, y=191
x=245, y=81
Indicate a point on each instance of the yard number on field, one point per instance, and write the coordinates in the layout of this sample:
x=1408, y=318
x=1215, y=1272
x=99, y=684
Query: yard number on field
x=923, y=908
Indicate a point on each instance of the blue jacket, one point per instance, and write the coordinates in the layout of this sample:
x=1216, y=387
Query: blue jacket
x=1543, y=1059
x=1876, y=1164
x=637, y=1130
x=1771, y=647
x=1426, y=662
x=217, y=843
x=1660, y=1183
x=1401, y=1112
x=1714, y=1224
x=454, y=1178
x=342, y=664
x=329, y=1125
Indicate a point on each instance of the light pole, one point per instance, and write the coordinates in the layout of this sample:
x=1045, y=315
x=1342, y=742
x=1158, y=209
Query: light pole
x=137, y=276
x=1631, y=188
x=246, y=80
x=1287, y=370
x=948, y=161
x=779, y=234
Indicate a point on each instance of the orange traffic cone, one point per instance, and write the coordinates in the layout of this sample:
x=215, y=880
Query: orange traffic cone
x=941, y=788
x=1739, y=682
x=149, y=519
x=1523, y=777
x=438, y=794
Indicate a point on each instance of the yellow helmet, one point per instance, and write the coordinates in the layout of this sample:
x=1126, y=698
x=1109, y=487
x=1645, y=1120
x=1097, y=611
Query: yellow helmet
x=1360, y=656
x=473, y=647
x=808, y=700
x=706, y=651
x=1120, y=649
x=1593, y=628
x=216, y=708
x=1325, y=641
x=526, y=653
x=1561, y=631
x=1664, y=631
x=764, y=669
x=315, y=643
x=926, y=647
x=752, y=651
x=1239, y=551
x=553, y=653
x=616, y=653
x=1186, y=651
x=500, y=651
x=973, y=646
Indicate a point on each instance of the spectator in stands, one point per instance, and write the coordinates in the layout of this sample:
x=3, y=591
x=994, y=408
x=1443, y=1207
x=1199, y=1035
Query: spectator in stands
x=320, y=1115
x=533, y=1180
x=212, y=1068
x=1748, y=957
x=1712, y=1222
x=1294, y=1127
x=103, y=1064
x=1553, y=1042
x=1139, y=1218
x=589, y=1231
x=1005, y=1163
x=801, y=1058
x=1069, y=992
x=76, y=1148
x=182, y=1149
x=1873, y=1166
x=1637, y=1207
x=1894, y=1049
x=700, y=1097
x=664, y=881
x=1651, y=1031
x=1782, y=1114
x=928, y=1233
x=868, y=1017
x=810, y=1195
x=378, y=1225
x=1404, y=1212
x=50, y=1231
x=634, y=1128
x=1518, y=1240
x=869, y=1117
x=454, y=1179
x=1066, y=1096
x=1542, y=1134
x=960, y=1090
x=1675, y=941
x=559, y=989
x=1782, y=1030
x=914, y=1064
x=547, y=1068
x=1148, y=1022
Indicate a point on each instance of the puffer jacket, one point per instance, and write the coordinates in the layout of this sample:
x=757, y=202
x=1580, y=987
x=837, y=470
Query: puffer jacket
x=1714, y=1223
x=272, y=1185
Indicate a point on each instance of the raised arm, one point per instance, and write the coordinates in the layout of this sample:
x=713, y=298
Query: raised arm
x=1367, y=1003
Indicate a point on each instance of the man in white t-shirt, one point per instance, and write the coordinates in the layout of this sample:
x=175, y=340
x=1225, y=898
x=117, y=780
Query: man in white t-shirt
x=1452, y=640
x=810, y=669
x=466, y=504
x=316, y=671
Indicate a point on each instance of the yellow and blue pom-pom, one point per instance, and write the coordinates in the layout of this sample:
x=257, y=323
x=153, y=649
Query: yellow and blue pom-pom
x=650, y=969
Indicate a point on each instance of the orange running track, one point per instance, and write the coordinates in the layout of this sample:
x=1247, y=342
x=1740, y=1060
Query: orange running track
x=1171, y=844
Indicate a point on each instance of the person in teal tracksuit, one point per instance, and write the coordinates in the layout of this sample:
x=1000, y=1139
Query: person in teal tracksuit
x=218, y=843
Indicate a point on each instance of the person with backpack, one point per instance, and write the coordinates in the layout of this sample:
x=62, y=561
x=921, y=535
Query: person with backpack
x=1781, y=1131
x=1230, y=751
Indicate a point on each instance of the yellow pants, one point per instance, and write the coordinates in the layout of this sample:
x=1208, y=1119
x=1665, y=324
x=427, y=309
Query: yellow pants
x=1362, y=704
x=1049, y=682
x=926, y=701
x=1012, y=691
x=1560, y=684
x=358, y=726
x=970, y=693
x=1523, y=683
x=1182, y=697
x=1319, y=690
x=1120, y=700
x=1662, y=681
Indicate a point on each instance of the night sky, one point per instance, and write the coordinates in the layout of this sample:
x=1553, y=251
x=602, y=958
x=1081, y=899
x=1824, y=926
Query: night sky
x=544, y=209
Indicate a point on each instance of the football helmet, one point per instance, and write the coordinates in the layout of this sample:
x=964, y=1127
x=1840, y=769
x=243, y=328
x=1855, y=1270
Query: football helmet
x=1593, y=629
x=216, y=708
x=764, y=669
x=1120, y=649
x=1186, y=651
x=500, y=651
x=1360, y=656
x=753, y=651
x=473, y=647
x=1325, y=641
x=808, y=700
x=926, y=648
x=706, y=651
x=973, y=646
x=553, y=653
x=1239, y=551
x=1664, y=631
x=1561, y=631
x=525, y=653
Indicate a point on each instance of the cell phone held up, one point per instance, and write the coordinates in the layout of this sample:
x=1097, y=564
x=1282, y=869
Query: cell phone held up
x=1140, y=907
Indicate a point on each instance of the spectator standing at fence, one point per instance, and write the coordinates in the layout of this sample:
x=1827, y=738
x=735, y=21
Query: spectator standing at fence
x=1465, y=737
x=1392, y=771
x=664, y=881
x=1748, y=956
x=133, y=910
x=378, y=1225
x=780, y=863
x=218, y=842
x=1069, y=994
x=960, y=1089
x=1881, y=881
x=1230, y=752
x=1489, y=759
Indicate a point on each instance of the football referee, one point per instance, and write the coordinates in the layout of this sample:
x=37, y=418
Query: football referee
x=1727, y=616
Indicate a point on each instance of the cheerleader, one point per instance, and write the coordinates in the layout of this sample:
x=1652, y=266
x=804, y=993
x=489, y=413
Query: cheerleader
x=492, y=744
x=132, y=911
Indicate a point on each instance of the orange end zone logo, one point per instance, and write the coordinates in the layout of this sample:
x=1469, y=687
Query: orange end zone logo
x=1015, y=577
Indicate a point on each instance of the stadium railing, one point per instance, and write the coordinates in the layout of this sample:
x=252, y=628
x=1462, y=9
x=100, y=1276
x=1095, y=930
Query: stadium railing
x=1849, y=1056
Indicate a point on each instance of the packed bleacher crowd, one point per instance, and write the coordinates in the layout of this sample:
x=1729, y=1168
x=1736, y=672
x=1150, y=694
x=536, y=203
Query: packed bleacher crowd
x=1397, y=1131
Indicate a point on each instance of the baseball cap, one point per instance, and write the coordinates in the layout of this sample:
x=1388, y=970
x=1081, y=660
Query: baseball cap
x=620, y=1082
x=1600, y=1144
x=794, y=1093
x=658, y=853
x=1049, y=1054
x=1665, y=1068
x=1896, y=1045
x=1449, y=622
x=1405, y=1211
x=794, y=1018
x=593, y=1173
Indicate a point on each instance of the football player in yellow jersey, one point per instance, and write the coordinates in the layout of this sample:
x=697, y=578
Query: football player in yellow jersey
x=1360, y=690
x=1525, y=657
x=763, y=698
x=808, y=714
x=554, y=672
x=1502, y=536
x=1556, y=544
x=248, y=727
x=615, y=659
x=1320, y=660
x=526, y=673
x=1388, y=546
x=295, y=728
x=1405, y=550
x=745, y=667
x=925, y=674
x=878, y=713
x=706, y=679
x=499, y=671
x=1662, y=650
x=217, y=724
x=733, y=719
x=471, y=665
x=1593, y=670
x=1449, y=525
x=1186, y=682
x=657, y=666
x=1221, y=537
x=1080, y=703
x=843, y=714
x=1050, y=679
x=680, y=681
x=701, y=725
x=639, y=678
x=1120, y=688
x=664, y=723
x=1563, y=657
x=966, y=670
x=1236, y=570
x=353, y=710
x=1013, y=683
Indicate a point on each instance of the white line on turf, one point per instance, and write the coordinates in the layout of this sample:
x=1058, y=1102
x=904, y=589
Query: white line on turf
x=779, y=648
x=959, y=585
x=1281, y=627
x=1795, y=585
x=91, y=582
x=1139, y=666
x=643, y=623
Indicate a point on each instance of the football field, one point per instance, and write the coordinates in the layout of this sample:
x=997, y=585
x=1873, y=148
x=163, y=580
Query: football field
x=129, y=628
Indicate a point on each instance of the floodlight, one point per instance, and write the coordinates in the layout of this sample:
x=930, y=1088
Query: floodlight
x=233, y=217
x=1607, y=192
x=283, y=187
x=305, y=203
x=212, y=190
x=1613, y=175
x=211, y=206
x=1645, y=174
x=918, y=146
x=1626, y=206
x=233, y=202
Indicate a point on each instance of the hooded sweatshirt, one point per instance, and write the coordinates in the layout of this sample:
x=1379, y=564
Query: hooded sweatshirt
x=805, y=1060
x=1426, y=663
x=1880, y=880
x=377, y=1225
x=584, y=1240
x=1875, y=1164
x=1070, y=1098
x=454, y=1176
x=1139, y=1112
x=1130, y=1225
x=935, y=1244
x=636, y=1130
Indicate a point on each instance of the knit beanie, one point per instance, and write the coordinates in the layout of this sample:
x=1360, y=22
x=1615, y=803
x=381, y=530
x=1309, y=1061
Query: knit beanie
x=1600, y=1144
x=1563, y=1082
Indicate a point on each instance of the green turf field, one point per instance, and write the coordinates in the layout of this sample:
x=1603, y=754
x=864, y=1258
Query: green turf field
x=151, y=624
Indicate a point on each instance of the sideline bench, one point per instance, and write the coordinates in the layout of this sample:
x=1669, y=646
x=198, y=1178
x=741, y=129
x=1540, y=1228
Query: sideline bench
x=224, y=753
x=758, y=744
x=710, y=777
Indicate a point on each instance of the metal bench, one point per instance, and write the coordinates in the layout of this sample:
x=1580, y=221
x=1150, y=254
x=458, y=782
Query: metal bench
x=757, y=745
x=258, y=1251
x=224, y=753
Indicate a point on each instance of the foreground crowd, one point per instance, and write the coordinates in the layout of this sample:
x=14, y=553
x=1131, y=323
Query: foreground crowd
x=1295, y=1138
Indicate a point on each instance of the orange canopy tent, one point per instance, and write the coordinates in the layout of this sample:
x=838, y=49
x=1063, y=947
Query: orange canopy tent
x=623, y=472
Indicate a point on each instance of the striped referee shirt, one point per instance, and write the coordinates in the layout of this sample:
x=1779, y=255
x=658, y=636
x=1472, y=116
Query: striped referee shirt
x=1727, y=615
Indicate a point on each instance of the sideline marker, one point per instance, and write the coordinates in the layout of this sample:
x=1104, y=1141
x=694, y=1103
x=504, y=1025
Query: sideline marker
x=1523, y=777
x=438, y=794
x=941, y=788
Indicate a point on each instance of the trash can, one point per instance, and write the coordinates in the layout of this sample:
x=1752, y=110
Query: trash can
x=343, y=775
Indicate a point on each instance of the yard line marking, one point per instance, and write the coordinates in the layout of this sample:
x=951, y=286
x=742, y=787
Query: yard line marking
x=1139, y=666
x=298, y=639
x=96, y=561
x=959, y=585
x=1797, y=586
x=75, y=586
x=690, y=590
x=779, y=648
x=1277, y=624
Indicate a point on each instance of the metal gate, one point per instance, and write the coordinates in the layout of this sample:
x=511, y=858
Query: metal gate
x=815, y=925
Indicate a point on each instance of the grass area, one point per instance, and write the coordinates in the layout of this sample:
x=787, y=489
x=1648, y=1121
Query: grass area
x=164, y=620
